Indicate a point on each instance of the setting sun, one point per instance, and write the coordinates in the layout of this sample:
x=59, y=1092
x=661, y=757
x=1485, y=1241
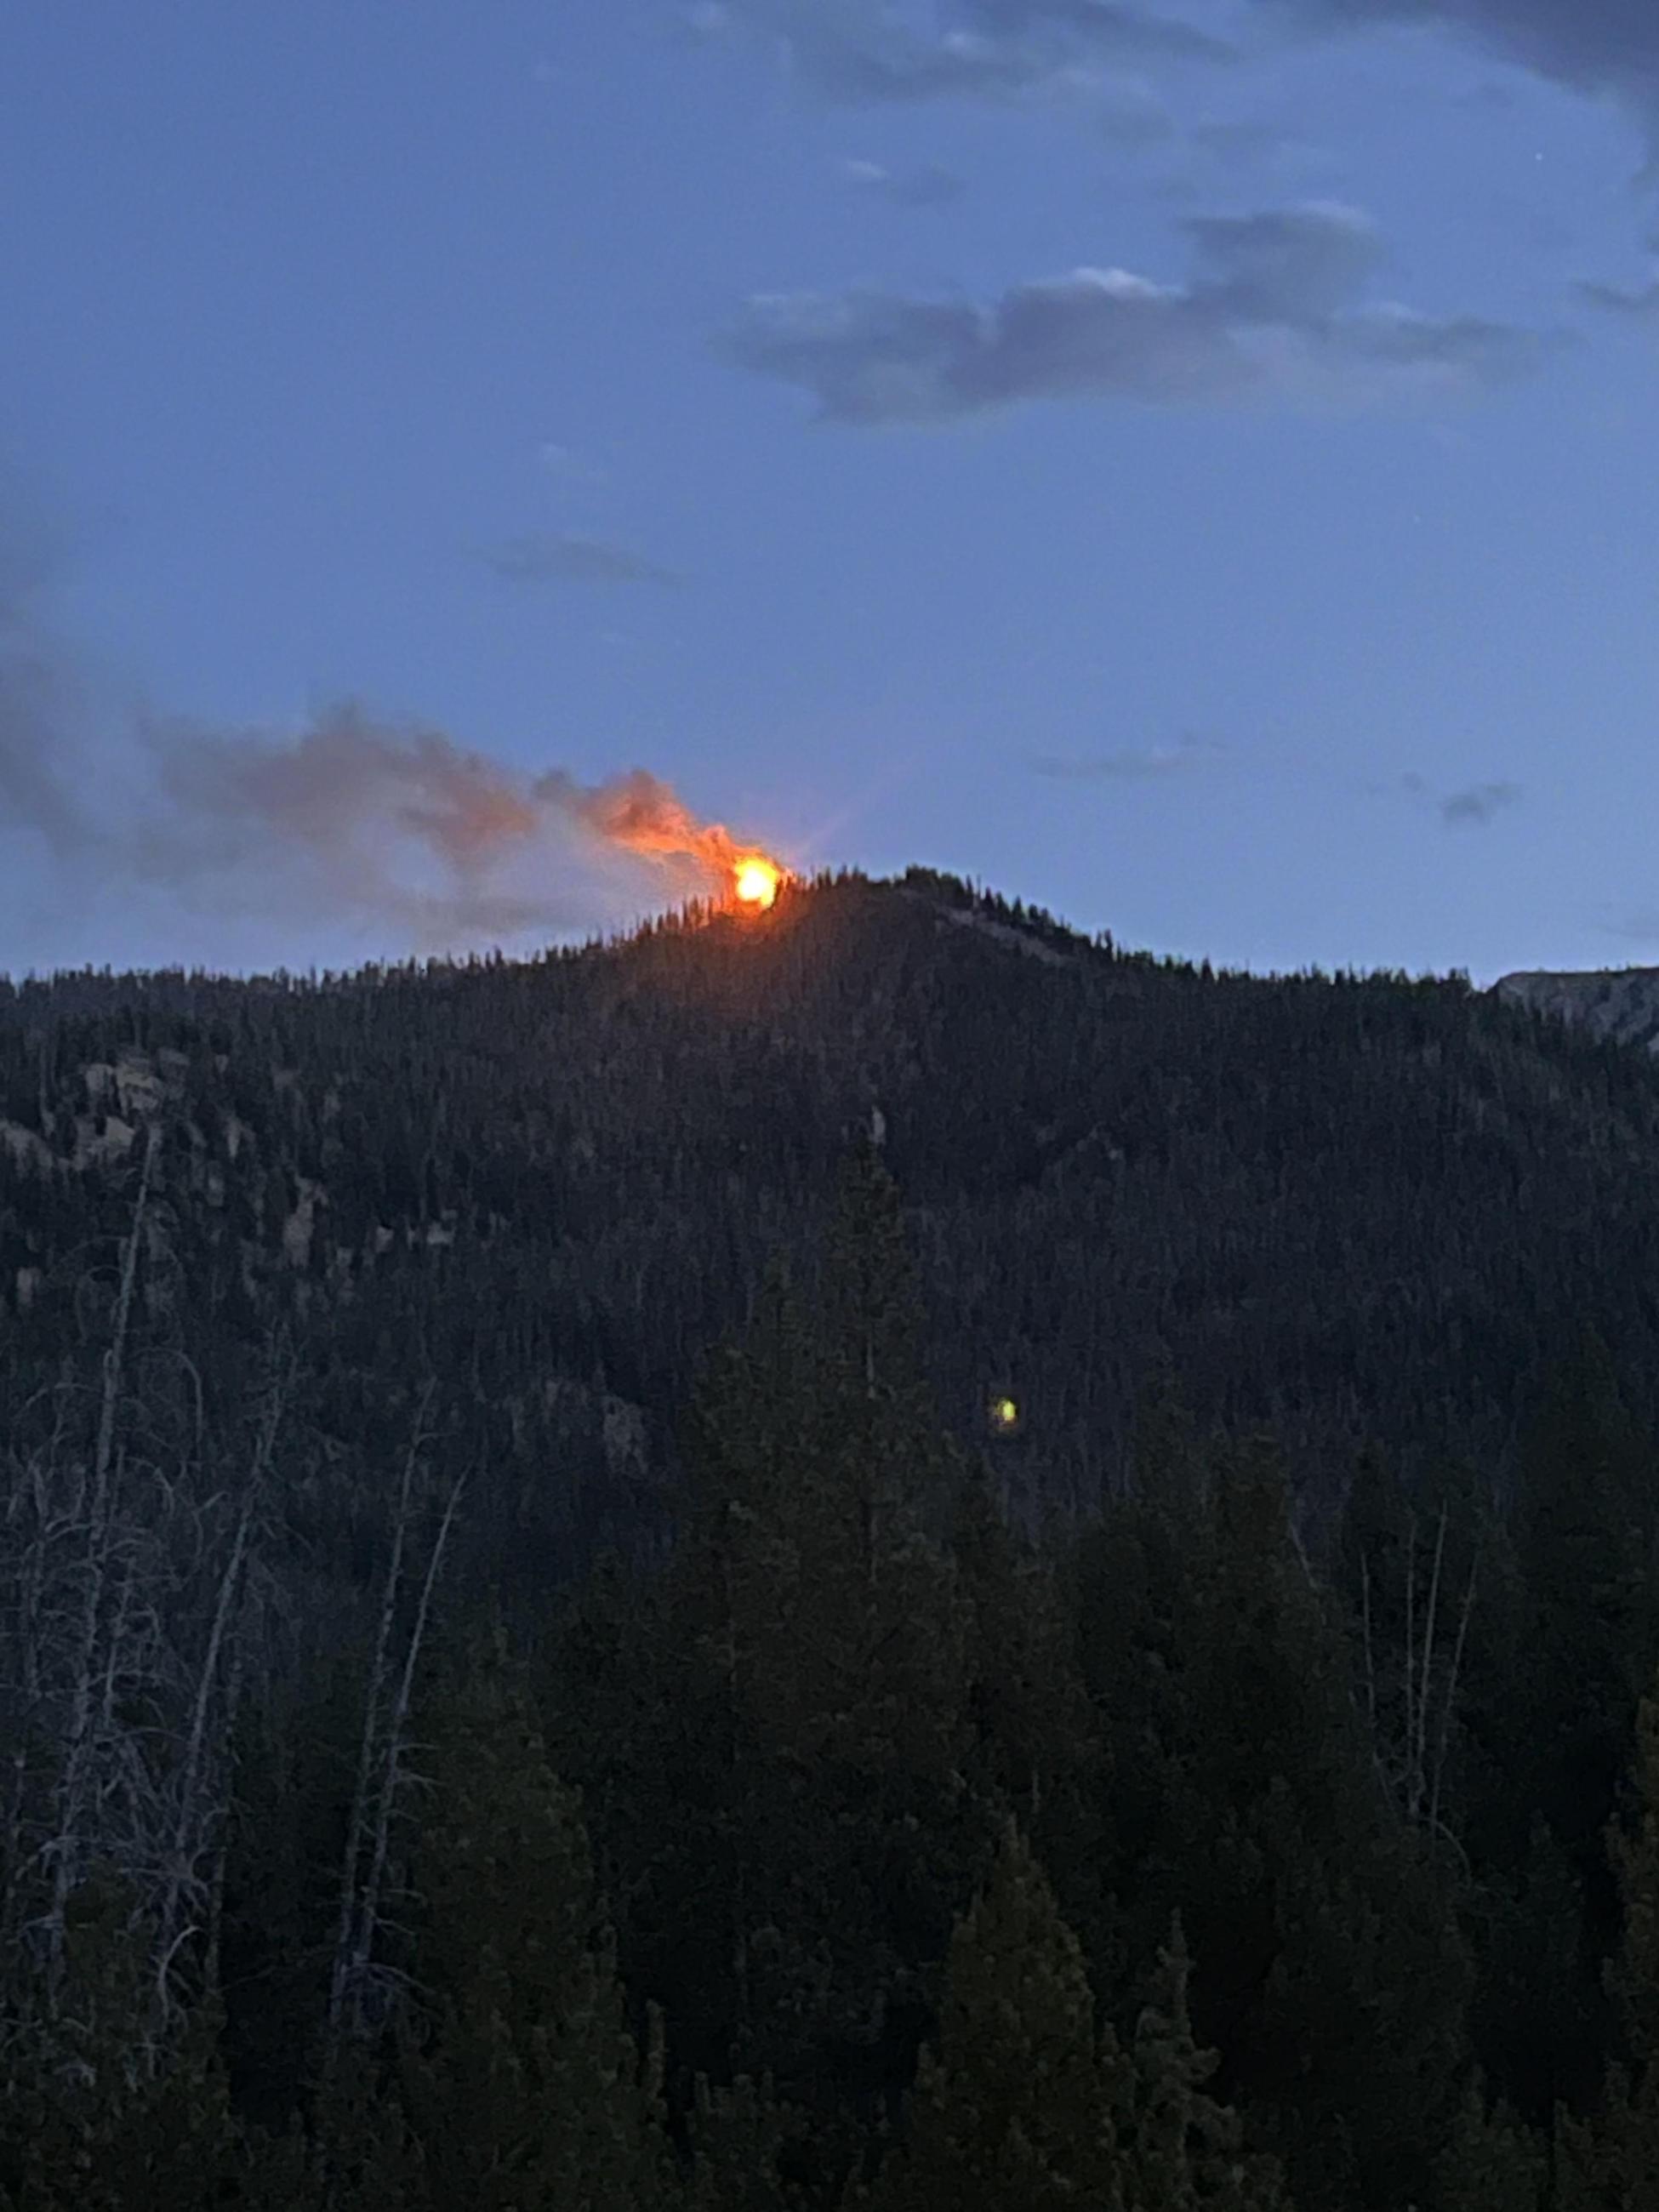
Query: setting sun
x=756, y=881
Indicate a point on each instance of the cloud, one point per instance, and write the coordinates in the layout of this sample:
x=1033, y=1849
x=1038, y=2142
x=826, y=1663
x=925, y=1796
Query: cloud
x=1593, y=45
x=1269, y=314
x=541, y=557
x=1242, y=141
x=41, y=704
x=1100, y=28
x=1134, y=119
x=1137, y=765
x=1641, y=306
x=1473, y=807
x=1479, y=805
x=864, y=51
x=354, y=821
x=568, y=465
x=930, y=185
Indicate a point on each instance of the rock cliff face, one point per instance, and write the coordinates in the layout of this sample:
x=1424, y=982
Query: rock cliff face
x=1621, y=1003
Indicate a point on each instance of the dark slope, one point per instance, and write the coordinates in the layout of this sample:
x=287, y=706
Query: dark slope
x=1344, y=1206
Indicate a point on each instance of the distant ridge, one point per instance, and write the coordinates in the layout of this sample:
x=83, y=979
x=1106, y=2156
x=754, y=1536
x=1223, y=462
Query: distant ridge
x=1619, y=1003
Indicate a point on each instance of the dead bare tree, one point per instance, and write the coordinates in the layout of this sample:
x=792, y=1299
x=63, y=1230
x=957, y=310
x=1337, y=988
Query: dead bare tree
x=384, y=1776
x=69, y=1849
x=1412, y=1741
x=190, y=1877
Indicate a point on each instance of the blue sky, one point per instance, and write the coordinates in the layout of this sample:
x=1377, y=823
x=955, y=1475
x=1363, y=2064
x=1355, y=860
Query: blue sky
x=1192, y=467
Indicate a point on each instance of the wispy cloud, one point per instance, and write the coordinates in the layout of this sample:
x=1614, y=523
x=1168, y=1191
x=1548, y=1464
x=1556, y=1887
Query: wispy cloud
x=1472, y=808
x=1596, y=46
x=1641, y=306
x=864, y=51
x=1480, y=803
x=568, y=465
x=1271, y=313
x=1134, y=764
x=927, y=186
x=542, y=557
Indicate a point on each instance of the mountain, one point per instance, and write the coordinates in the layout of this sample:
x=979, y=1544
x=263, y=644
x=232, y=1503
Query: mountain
x=532, y=1195
x=1620, y=1003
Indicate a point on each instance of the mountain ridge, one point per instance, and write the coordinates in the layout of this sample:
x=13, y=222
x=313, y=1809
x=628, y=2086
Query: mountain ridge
x=1342, y=1207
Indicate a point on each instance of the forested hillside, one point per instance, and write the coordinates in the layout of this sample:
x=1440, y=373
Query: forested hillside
x=867, y=1555
x=1351, y=1207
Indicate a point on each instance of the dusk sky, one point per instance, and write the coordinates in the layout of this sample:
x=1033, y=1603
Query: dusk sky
x=1195, y=467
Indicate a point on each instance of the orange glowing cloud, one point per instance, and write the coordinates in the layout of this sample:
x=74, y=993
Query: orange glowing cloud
x=642, y=814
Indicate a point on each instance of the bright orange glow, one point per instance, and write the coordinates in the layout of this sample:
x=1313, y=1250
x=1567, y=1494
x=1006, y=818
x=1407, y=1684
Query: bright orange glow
x=755, y=880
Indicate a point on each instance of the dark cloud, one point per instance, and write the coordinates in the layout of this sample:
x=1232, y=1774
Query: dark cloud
x=1479, y=805
x=1136, y=764
x=542, y=558
x=1596, y=46
x=1271, y=313
x=929, y=185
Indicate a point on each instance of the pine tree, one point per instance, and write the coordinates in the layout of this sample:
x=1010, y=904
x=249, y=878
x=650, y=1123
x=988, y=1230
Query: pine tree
x=1493, y=2161
x=1611, y=2160
x=95, y=2118
x=815, y=1641
x=738, y=2137
x=1020, y=2102
x=1182, y=2150
x=526, y=2087
x=1330, y=1974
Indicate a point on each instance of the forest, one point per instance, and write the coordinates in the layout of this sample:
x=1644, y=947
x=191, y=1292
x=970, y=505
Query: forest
x=878, y=1556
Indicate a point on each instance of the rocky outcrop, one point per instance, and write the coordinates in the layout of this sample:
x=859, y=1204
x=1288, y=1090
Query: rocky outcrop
x=1621, y=1003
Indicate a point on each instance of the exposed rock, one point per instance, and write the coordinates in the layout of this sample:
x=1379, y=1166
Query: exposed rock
x=27, y=1148
x=95, y=1147
x=1621, y=1003
x=139, y=1088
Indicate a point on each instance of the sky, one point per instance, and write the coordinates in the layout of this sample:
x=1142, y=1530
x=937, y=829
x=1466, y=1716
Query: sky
x=1192, y=467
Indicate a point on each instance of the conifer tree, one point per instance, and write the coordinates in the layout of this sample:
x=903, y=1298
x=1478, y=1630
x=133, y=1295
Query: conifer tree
x=1611, y=2160
x=524, y=2088
x=1020, y=2102
x=1493, y=2161
x=1562, y=1718
x=815, y=1636
x=1330, y=1977
x=93, y=2118
x=738, y=2136
x=1182, y=2150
